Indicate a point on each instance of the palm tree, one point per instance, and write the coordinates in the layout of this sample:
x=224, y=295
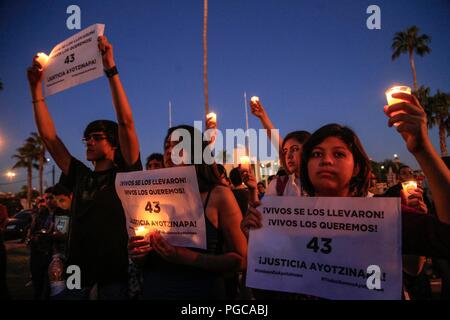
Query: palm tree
x=437, y=109
x=438, y=114
x=410, y=41
x=42, y=160
x=26, y=157
x=205, y=55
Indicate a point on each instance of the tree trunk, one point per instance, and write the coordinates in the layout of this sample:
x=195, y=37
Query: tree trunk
x=413, y=68
x=205, y=55
x=442, y=136
x=29, y=179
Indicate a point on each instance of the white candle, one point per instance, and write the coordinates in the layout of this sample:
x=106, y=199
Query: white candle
x=245, y=162
x=409, y=186
x=397, y=89
x=254, y=99
x=391, y=100
x=141, y=231
x=212, y=116
x=42, y=59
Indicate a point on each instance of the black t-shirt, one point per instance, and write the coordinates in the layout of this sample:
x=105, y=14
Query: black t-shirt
x=98, y=236
x=393, y=191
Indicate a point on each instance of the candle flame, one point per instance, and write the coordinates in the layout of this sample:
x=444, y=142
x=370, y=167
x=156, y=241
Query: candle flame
x=254, y=99
x=409, y=186
x=211, y=116
x=42, y=59
x=245, y=160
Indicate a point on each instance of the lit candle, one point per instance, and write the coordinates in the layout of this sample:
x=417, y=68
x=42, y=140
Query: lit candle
x=245, y=162
x=409, y=186
x=42, y=58
x=141, y=231
x=254, y=99
x=212, y=116
x=391, y=100
x=397, y=89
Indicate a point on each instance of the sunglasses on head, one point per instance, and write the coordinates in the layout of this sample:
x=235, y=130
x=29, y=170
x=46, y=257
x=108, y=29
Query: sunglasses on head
x=95, y=136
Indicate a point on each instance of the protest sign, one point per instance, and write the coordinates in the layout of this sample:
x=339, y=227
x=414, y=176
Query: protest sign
x=62, y=223
x=165, y=200
x=74, y=61
x=325, y=247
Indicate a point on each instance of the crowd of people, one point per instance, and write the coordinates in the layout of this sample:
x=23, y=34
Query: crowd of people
x=82, y=222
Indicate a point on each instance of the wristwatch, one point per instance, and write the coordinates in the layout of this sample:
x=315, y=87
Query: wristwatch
x=111, y=72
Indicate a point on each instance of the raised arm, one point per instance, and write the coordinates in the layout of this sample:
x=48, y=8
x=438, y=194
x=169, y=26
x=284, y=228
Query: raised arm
x=259, y=112
x=413, y=129
x=44, y=121
x=129, y=144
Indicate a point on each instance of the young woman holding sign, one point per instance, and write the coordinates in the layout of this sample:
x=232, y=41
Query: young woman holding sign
x=334, y=164
x=181, y=273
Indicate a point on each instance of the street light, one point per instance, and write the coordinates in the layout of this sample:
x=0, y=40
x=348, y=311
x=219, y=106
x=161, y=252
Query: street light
x=10, y=175
x=382, y=167
x=395, y=155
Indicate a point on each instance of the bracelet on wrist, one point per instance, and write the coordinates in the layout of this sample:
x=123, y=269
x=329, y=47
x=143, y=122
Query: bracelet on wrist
x=38, y=100
x=111, y=72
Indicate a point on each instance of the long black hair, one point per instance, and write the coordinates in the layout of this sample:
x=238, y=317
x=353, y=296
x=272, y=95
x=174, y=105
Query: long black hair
x=300, y=136
x=359, y=184
x=207, y=174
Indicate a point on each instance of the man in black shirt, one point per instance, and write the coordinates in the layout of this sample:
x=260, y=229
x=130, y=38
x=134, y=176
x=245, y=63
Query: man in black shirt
x=98, y=235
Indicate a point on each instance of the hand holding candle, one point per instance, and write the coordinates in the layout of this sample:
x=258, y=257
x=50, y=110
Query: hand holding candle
x=211, y=119
x=141, y=231
x=42, y=59
x=245, y=163
x=391, y=100
x=254, y=99
x=409, y=186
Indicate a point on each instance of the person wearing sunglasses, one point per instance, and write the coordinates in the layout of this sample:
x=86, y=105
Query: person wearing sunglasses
x=97, y=236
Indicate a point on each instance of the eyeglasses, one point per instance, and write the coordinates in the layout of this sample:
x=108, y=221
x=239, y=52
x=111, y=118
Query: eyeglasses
x=96, y=136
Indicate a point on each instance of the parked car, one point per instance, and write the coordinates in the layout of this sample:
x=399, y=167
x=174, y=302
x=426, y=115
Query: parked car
x=18, y=225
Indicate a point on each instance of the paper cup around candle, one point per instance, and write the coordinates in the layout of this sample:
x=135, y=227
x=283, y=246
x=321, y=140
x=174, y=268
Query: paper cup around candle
x=42, y=59
x=391, y=100
x=397, y=89
x=141, y=231
x=245, y=162
x=409, y=186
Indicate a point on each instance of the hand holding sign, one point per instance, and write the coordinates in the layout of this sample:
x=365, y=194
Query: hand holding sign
x=106, y=50
x=164, y=248
x=34, y=74
x=252, y=220
x=75, y=60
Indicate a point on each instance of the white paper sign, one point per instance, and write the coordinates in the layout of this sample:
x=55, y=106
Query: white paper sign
x=167, y=200
x=62, y=223
x=74, y=61
x=323, y=247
